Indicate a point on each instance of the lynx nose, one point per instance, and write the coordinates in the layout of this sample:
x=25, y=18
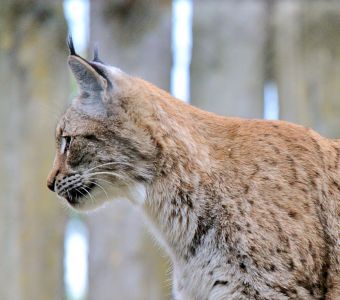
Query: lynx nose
x=51, y=179
x=50, y=184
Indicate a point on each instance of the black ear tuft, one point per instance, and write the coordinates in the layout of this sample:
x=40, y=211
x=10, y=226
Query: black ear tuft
x=96, y=55
x=70, y=45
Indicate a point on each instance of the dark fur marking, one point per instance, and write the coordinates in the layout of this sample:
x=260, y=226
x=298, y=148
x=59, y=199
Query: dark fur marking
x=291, y=265
x=336, y=184
x=278, y=187
x=307, y=286
x=180, y=218
x=293, y=291
x=246, y=189
x=292, y=214
x=276, y=150
x=204, y=225
x=185, y=198
x=318, y=148
x=314, y=184
x=220, y=282
x=306, y=206
x=292, y=164
x=276, y=221
x=284, y=291
x=257, y=169
x=243, y=266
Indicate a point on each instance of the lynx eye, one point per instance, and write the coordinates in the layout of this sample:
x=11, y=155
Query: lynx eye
x=65, y=143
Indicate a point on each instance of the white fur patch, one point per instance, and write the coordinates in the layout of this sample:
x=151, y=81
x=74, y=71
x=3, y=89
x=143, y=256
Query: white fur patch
x=137, y=193
x=114, y=70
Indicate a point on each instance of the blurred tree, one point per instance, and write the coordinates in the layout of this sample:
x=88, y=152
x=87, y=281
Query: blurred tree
x=124, y=263
x=33, y=79
x=227, y=70
x=307, y=63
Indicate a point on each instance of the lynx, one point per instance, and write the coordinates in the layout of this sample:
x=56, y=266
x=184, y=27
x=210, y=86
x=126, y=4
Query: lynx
x=246, y=209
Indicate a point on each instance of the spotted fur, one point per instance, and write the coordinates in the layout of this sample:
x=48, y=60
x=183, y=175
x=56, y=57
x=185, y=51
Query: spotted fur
x=246, y=209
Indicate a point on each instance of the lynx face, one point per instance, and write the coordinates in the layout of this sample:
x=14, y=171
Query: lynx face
x=100, y=152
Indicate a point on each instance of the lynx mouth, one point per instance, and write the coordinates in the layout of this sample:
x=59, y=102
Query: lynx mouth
x=76, y=196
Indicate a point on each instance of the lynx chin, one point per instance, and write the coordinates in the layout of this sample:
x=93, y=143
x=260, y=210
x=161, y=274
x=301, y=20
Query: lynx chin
x=246, y=209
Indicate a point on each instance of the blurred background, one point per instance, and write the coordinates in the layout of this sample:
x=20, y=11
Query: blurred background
x=250, y=58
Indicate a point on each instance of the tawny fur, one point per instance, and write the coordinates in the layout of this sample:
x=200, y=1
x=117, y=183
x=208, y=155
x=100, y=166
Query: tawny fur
x=246, y=209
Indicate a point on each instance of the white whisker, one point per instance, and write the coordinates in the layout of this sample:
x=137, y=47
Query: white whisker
x=97, y=184
x=98, y=178
x=109, y=163
x=81, y=193
x=109, y=173
x=92, y=200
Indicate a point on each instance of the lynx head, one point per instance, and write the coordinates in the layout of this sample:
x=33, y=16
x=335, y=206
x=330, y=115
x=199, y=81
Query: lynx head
x=102, y=152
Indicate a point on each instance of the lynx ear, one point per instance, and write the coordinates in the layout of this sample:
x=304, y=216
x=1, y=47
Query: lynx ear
x=88, y=79
x=92, y=81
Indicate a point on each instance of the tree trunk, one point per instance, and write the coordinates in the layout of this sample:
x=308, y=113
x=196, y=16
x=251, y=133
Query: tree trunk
x=33, y=80
x=227, y=70
x=124, y=262
x=307, y=63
